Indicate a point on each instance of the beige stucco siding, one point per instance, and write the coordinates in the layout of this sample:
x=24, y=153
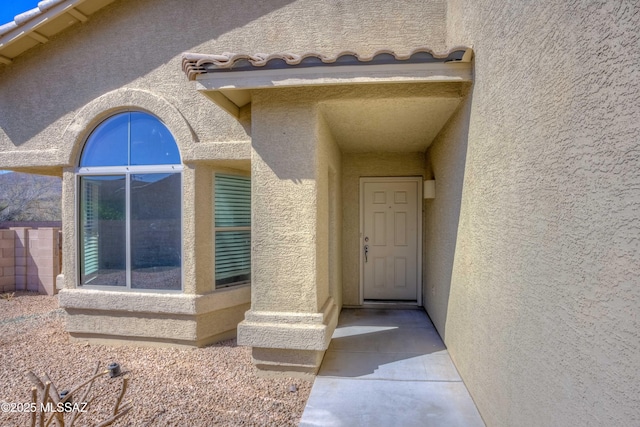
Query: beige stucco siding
x=128, y=56
x=284, y=193
x=542, y=314
x=293, y=272
x=531, y=249
x=329, y=220
x=445, y=163
x=139, y=45
x=154, y=318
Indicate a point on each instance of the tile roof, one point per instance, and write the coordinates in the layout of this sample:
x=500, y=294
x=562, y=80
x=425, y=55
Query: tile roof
x=20, y=19
x=37, y=25
x=194, y=64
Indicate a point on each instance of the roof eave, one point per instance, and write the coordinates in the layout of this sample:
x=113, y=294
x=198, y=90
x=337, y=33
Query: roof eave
x=29, y=24
x=231, y=89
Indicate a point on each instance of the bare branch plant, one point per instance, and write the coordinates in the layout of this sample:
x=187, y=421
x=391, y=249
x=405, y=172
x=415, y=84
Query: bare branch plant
x=44, y=394
x=28, y=197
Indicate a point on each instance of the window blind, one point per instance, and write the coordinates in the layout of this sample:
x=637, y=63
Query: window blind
x=233, y=234
x=90, y=227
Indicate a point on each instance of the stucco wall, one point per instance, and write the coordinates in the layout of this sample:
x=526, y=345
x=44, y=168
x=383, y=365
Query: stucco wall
x=128, y=55
x=292, y=281
x=329, y=220
x=354, y=166
x=542, y=318
x=154, y=318
x=139, y=45
x=445, y=163
x=284, y=204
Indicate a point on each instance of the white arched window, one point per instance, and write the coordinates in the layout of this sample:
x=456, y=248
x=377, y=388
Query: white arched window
x=130, y=210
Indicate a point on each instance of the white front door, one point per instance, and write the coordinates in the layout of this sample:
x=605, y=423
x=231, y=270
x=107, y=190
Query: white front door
x=390, y=238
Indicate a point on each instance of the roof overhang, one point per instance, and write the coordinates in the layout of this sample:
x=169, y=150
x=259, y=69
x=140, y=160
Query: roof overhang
x=38, y=25
x=229, y=79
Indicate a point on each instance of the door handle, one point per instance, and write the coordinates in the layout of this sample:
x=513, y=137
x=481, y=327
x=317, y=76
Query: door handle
x=366, y=251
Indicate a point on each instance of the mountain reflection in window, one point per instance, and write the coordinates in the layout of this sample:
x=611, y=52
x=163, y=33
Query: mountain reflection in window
x=130, y=190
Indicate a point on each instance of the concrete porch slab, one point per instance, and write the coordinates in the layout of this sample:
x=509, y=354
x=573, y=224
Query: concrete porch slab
x=388, y=367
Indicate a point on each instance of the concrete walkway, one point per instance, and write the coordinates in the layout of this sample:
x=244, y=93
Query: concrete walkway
x=388, y=368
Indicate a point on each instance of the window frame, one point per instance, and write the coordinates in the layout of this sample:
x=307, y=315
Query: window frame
x=216, y=230
x=126, y=171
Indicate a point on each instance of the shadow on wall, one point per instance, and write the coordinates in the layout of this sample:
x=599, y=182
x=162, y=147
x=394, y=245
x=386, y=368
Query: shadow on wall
x=139, y=43
x=447, y=159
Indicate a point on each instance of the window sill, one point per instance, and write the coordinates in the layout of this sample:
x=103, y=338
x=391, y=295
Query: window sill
x=129, y=290
x=175, y=302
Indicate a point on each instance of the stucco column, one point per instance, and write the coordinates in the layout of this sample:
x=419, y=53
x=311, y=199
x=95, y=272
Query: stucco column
x=291, y=320
x=190, y=190
x=68, y=277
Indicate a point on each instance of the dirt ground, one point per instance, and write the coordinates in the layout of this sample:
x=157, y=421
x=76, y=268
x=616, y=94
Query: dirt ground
x=209, y=386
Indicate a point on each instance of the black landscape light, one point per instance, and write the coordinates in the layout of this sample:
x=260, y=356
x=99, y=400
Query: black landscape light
x=114, y=370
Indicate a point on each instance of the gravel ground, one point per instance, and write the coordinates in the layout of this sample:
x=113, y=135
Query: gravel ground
x=209, y=386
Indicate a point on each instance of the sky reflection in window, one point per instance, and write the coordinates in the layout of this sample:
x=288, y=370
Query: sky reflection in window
x=131, y=138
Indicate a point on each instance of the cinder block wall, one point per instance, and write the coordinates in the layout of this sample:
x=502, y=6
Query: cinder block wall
x=29, y=259
x=21, y=254
x=7, y=256
x=42, y=263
